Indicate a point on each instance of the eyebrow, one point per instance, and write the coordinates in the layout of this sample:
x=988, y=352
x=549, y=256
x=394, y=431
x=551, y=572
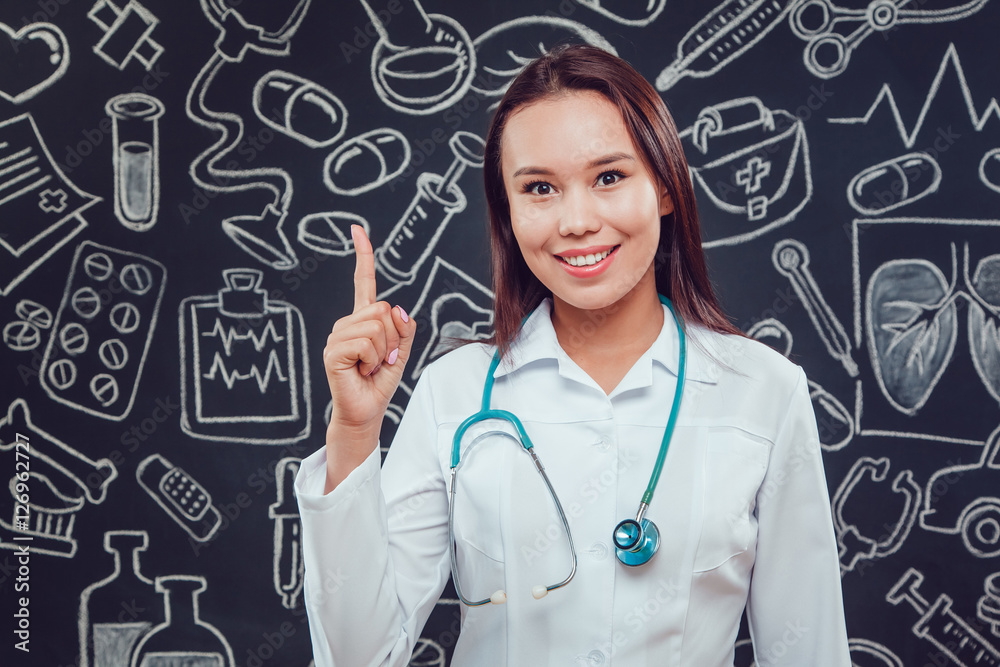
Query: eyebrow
x=610, y=158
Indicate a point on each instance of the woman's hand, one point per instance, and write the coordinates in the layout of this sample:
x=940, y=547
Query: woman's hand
x=364, y=357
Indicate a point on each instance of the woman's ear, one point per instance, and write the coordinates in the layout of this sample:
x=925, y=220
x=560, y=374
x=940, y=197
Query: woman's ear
x=666, y=203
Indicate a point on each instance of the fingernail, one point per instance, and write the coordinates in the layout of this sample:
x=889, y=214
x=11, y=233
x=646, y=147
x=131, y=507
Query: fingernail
x=392, y=357
x=402, y=314
x=374, y=370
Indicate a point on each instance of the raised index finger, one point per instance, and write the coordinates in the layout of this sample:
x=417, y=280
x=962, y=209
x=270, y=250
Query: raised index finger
x=364, y=272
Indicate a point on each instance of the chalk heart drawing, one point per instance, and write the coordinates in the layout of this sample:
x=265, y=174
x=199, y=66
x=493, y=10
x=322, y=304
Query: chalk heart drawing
x=984, y=316
x=37, y=48
x=910, y=336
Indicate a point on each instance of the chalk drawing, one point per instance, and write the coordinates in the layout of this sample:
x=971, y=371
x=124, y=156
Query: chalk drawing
x=40, y=209
x=135, y=131
x=366, y=162
x=754, y=172
x=947, y=630
x=180, y=496
x=39, y=57
x=856, y=546
x=299, y=108
x=62, y=481
x=25, y=333
x=330, y=233
x=869, y=649
x=896, y=182
x=773, y=333
x=427, y=653
x=127, y=33
x=988, y=608
x=834, y=421
x=103, y=330
x=243, y=372
x=989, y=169
x=627, y=13
x=723, y=35
x=909, y=137
x=422, y=63
x=288, y=565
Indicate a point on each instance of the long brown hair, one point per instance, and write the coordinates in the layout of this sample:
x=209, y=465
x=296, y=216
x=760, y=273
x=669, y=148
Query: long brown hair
x=681, y=274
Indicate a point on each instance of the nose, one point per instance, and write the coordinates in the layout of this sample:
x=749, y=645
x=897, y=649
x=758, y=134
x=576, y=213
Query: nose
x=579, y=214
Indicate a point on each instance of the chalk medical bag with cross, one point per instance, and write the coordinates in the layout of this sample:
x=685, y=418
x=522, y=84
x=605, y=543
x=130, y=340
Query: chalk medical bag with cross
x=752, y=164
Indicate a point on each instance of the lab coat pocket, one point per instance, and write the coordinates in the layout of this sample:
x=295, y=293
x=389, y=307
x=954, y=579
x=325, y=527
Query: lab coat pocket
x=479, y=484
x=732, y=471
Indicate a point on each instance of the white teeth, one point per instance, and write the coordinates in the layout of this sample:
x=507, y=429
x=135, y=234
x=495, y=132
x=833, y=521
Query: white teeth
x=586, y=260
x=590, y=259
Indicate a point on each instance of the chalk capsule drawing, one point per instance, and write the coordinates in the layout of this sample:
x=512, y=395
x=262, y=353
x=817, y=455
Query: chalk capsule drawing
x=127, y=33
x=180, y=496
x=135, y=132
x=244, y=376
x=63, y=482
x=103, y=330
x=422, y=63
x=299, y=108
x=39, y=57
x=627, y=12
x=896, y=182
x=366, y=162
x=288, y=566
x=42, y=209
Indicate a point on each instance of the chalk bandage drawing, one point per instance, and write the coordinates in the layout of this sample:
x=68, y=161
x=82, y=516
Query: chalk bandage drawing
x=135, y=132
x=39, y=57
x=180, y=496
x=244, y=376
x=127, y=33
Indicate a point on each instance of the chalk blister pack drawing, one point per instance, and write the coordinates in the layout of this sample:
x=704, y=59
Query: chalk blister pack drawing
x=752, y=164
x=244, y=376
x=63, y=481
x=103, y=330
x=40, y=209
x=38, y=57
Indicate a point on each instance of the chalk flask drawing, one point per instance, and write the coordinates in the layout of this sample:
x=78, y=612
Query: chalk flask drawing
x=116, y=611
x=243, y=372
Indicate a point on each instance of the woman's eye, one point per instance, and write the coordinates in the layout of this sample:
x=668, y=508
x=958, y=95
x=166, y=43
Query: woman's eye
x=610, y=177
x=538, y=188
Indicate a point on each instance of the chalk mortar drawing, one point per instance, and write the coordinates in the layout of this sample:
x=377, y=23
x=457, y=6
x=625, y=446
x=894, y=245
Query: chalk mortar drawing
x=422, y=63
x=894, y=526
x=723, y=35
x=135, y=133
x=180, y=496
x=437, y=200
x=244, y=376
x=103, y=330
x=38, y=57
x=127, y=33
x=939, y=624
x=906, y=313
x=971, y=507
x=25, y=333
x=63, y=481
x=755, y=173
x=40, y=209
x=299, y=108
x=116, y=611
x=366, y=162
x=288, y=566
x=261, y=236
x=627, y=12
x=950, y=61
x=893, y=183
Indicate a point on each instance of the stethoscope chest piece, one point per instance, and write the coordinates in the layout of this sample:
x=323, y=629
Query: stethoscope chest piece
x=636, y=541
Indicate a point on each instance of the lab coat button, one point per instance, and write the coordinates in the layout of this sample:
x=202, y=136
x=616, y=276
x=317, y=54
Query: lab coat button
x=599, y=551
x=596, y=657
x=604, y=444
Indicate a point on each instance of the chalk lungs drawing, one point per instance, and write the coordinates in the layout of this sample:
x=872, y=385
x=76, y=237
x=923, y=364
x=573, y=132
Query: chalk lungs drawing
x=243, y=371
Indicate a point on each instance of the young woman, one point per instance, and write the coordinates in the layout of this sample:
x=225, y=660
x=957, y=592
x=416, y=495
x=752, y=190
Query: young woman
x=592, y=218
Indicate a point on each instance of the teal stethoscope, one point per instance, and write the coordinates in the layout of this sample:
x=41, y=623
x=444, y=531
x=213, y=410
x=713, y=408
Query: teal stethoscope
x=636, y=540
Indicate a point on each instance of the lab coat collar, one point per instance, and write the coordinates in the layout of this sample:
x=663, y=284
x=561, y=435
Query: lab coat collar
x=537, y=341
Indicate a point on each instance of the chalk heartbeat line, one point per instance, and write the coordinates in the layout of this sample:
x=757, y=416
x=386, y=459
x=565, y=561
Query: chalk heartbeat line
x=909, y=138
x=231, y=377
x=229, y=335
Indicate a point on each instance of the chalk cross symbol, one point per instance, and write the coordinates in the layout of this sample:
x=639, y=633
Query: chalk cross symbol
x=52, y=201
x=751, y=175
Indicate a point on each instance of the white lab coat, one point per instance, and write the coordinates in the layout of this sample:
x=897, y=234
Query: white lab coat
x=742, y=508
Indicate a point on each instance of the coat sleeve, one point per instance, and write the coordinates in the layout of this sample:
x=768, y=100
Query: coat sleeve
x=376, y=547
x=795, y=606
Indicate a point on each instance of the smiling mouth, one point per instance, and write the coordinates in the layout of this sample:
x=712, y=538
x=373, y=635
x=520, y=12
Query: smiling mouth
x=587, y=260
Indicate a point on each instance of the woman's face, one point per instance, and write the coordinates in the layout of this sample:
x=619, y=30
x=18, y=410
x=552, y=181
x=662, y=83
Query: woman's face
x=584, y=208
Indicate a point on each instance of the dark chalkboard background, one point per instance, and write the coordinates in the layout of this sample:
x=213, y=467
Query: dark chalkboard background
x=162, y=342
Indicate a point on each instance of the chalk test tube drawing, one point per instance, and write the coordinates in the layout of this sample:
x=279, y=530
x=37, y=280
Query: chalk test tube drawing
x=330, y=233
x=505, y=49
x=829, y=48
x=791, y=259
x=989, y=169
x=299, y=108
x=62, y=482
x=854, y=545
x=40, y=209
x=127, y=33
x=366, y=162
x=39, y=56
x=288, y=565
x=180, y=495
x=261, y=236
x=723, y=35
x=752, y=164
x=183, y=638
x=244, y=376
x=627, y=12
x=135, y=132
x=948, y=631
x=988, y=608
x=116, y=611
x=909, y=137
x=437, y=200
x=964, y=500
x=893, y=183
x=103, y=330
x=422, y=63
x=25, y=333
